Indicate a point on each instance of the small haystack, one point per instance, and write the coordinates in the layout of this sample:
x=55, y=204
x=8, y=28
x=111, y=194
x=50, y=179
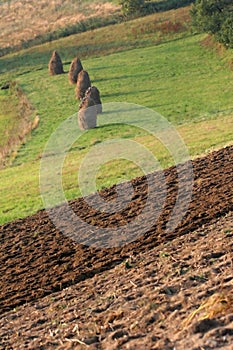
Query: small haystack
x=75, y=68
x=55, y=64
x=83, y=83
x=87, y=115
x=94, y=93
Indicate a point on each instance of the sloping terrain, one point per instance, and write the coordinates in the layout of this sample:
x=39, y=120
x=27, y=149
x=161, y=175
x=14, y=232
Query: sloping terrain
x=16, y=122
x=134, y=297
x=22, y=21
x=143, y=307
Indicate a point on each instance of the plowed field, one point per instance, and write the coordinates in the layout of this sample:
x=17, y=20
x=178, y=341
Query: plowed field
x=55, y=292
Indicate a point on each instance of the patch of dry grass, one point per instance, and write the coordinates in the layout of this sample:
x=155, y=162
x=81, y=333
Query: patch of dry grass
x=22, y=21
x=16, y=122
x=217, y=304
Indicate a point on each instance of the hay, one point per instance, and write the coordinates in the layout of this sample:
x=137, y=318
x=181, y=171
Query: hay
x=75, y=68
x=35, y=123
x=94, y=93
x=83, y=83
x=217, y=305
x=87, y=115
x=55, y=64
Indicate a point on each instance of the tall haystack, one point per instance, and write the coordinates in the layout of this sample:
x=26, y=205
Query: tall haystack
x=94, y=93
x=55, y=64
x=83, y=83
x=75, y=68
x=87, y=115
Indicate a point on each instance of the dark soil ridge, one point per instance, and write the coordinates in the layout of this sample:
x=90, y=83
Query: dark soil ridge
x=144, y=303
x=37, y=260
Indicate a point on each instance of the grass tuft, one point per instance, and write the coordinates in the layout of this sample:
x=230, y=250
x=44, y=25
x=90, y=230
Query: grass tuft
x=219, y=304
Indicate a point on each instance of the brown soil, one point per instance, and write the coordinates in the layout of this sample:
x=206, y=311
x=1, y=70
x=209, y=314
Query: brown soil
x=56, y=293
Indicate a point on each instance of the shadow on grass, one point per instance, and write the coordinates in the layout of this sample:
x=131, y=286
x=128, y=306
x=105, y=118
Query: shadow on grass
x=165, y=5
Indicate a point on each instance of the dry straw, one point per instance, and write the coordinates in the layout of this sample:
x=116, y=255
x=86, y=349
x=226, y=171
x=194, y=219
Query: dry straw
x=87, y=115
x=217, y=305
x=94, y=93
x=75, y=68
x=83, y=83
x=55, y=64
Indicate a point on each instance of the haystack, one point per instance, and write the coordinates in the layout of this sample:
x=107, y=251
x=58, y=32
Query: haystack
x=87, y=115
x=94, y=93
x=83, y=83
x=55, y=64
x=75, y=68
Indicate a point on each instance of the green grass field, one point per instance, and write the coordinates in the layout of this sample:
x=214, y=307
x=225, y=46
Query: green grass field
x=173, y=74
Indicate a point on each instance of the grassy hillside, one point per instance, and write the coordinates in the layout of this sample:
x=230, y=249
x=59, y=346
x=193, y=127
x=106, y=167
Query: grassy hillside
x=169, y=71
x=179, y=79
x=145, y=31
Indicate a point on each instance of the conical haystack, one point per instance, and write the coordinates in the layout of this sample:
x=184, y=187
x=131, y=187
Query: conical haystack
x=55, y=64
x=83, y=83
x=87, y=115
x=94, y=93
x=75, y=68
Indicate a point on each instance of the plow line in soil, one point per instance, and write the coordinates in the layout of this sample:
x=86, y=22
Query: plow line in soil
x=36, y=259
